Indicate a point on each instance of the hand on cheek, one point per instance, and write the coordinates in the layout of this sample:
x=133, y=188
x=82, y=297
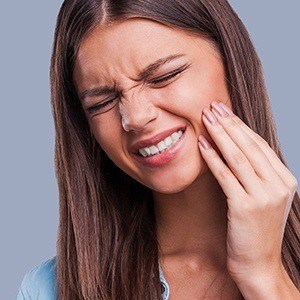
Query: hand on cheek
x=259, y=190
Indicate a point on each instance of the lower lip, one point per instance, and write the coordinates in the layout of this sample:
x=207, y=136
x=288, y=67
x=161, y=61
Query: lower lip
x=165, y=157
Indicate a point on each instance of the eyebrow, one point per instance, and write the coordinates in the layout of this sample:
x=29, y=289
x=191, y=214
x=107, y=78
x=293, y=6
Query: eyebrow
x=143, y=75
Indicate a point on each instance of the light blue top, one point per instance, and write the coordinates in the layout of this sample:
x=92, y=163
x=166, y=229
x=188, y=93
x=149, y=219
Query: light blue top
x=39, y=283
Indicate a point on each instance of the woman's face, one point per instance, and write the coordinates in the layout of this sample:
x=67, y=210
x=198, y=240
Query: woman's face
x=113, y=57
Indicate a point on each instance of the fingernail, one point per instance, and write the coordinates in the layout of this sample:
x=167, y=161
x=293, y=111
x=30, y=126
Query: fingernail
x=204, y=142
x=219, y=110
x=223, y=105
x=210, y=116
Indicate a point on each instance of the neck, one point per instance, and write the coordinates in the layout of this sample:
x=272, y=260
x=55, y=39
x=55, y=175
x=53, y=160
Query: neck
x=192, y=224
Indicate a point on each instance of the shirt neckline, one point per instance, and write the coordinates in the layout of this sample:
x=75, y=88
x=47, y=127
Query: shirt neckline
x=164, y=283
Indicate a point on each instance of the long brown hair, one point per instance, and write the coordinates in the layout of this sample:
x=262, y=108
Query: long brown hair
x=107, y=246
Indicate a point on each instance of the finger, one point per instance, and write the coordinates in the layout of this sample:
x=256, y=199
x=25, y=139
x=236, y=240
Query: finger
x=237, y=161
x=227, y=180
x=286, y=176
x=248, y=146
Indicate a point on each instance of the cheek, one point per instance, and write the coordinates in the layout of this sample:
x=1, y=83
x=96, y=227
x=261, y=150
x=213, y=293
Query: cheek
x=190, y=94
x=107, y=133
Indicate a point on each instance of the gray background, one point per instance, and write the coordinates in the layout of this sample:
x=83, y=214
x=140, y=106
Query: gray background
x=29, y=193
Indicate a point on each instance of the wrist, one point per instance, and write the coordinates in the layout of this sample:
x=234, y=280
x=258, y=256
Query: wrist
x=277, y=285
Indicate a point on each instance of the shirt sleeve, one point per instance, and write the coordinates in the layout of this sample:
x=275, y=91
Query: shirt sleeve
x=39, y=283
x=23, y=293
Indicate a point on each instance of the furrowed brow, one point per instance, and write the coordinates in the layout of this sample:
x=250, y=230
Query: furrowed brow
x=143, y=75
x=146, y=72
x=98, y=91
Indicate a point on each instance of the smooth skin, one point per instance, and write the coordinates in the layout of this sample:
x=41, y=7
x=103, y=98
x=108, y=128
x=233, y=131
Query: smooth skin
x=259, y=190
x=192, y=197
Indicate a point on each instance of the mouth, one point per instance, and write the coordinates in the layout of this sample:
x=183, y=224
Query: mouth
x=136, y=152
x=163, y=157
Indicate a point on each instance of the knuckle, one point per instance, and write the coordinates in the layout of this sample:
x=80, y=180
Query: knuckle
x=238, y=120
x=267, y=205
x=261, y=140
x=213, y=154
x=256, y=206
x=270, y=205
x=267, y=202
x=239, y=158
x=294, y=183
x=231, y=124
x=284, y=193
x=253, y=146
x=224, y=173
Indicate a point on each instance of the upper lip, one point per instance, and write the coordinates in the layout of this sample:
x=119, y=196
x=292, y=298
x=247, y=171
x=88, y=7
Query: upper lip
x=155, y=139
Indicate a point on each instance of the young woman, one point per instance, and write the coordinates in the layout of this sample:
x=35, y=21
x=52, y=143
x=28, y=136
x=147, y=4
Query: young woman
x=171, y=180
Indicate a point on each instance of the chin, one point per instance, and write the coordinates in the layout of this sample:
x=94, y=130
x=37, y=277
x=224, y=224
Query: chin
x=168, y=190
x=175, y=182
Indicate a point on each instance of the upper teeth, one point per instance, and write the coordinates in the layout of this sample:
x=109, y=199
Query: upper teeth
x=162, y=145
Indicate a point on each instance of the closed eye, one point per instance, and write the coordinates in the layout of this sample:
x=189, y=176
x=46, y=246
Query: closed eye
x=168, y=77
x=153, y=82
x=101, y=105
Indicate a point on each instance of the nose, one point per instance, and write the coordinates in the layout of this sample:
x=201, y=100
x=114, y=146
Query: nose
x=136, y=113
